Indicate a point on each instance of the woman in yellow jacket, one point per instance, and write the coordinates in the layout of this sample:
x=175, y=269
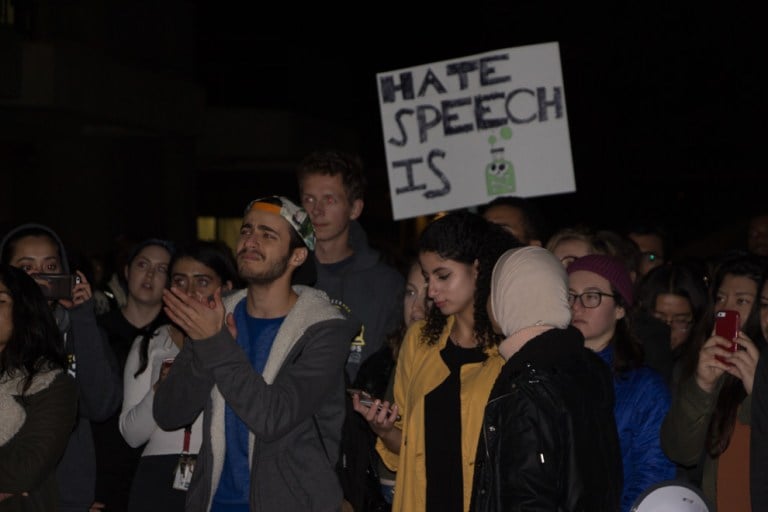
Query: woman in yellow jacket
x=445, y=370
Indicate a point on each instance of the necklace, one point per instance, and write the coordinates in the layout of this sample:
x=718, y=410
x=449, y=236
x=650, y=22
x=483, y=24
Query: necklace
x=457, y=341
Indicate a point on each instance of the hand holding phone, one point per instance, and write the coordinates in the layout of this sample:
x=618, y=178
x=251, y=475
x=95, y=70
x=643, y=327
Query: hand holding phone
x=366, y=399
x=727, y=324
x=57, y=286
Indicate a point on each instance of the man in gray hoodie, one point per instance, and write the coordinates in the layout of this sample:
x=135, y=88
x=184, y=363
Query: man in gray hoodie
x=37, y=249
x=270, y=381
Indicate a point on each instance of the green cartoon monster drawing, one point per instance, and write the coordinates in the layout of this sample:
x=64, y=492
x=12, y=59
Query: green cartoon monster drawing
x=500, y=173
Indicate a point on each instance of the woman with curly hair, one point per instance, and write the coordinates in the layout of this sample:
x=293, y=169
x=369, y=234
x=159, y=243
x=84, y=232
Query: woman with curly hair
x=38, y=399
x=445, y=370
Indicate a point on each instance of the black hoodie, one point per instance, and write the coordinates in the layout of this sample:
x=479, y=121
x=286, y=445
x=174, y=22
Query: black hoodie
x=369, y=291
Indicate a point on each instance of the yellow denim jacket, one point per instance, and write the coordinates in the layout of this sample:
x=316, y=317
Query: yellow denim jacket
x=420, y=369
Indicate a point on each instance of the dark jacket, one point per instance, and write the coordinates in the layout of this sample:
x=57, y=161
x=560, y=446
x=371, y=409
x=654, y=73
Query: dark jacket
x=34, y=430
x=549, y=439
x=99, y=386
x=684, y=431
x=758, y=446
x=294, y=410
x=369, y=291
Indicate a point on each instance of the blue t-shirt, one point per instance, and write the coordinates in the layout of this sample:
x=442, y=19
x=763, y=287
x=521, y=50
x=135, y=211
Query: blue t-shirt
x=255, y=336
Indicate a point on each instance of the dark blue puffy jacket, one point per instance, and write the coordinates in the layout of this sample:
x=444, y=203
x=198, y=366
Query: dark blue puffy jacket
x=642, y=401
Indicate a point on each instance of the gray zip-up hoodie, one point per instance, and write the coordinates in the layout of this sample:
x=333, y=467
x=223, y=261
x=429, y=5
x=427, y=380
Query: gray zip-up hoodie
x=99, y=384
x=294, y=410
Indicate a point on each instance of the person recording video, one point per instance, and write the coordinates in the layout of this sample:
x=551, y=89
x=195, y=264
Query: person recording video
x=37, y=250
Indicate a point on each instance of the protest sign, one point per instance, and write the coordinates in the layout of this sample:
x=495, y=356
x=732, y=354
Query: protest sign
x=461, y=132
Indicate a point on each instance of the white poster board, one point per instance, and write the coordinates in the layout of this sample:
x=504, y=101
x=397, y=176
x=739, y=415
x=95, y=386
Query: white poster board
x=461, y=132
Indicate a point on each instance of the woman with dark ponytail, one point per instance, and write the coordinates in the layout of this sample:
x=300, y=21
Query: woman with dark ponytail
x=708, y=423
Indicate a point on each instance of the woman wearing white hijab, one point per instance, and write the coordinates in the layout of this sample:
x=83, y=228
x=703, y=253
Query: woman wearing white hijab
x=549, y=437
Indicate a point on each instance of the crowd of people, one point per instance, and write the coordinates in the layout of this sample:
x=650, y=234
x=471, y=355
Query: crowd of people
x=499, y=369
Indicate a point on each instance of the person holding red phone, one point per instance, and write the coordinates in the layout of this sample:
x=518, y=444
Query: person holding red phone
x=710, y=414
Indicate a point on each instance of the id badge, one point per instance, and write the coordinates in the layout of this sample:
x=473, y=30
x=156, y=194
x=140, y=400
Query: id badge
x=182, y=476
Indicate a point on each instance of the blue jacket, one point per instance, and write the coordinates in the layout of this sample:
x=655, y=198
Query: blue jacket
x=642, y=402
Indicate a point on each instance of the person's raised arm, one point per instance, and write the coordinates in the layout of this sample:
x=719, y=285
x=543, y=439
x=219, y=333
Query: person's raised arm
x=684, y=428
x=99, y=383
x=304, y=381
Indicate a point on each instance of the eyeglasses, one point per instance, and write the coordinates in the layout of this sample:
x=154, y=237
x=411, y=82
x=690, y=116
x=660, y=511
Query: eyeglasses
x=588, y=299
x=678, y=322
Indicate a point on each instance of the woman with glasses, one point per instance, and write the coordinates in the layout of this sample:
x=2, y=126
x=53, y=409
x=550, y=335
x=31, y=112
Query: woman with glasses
x=600, y=295
x=675, y=295
x=707, y=428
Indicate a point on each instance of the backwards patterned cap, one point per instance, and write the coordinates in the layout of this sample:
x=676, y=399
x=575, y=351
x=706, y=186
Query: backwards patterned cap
x=295, y=215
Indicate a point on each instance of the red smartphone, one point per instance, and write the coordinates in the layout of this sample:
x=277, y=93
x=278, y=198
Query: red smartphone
x=727, y=325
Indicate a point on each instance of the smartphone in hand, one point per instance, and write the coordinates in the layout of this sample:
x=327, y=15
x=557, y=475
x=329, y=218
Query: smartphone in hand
x=366, y=399
x=57, y=286
x=727, y=326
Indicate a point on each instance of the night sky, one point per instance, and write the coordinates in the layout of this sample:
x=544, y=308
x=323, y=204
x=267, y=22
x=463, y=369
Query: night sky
x=666, y=105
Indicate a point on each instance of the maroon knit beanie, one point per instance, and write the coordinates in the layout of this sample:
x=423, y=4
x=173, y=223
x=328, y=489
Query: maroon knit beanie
x=609, y=268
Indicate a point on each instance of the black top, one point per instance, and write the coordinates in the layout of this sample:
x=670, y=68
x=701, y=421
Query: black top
x=115, y=460
x=442, y=422
x=120, y=333
x=758, y=454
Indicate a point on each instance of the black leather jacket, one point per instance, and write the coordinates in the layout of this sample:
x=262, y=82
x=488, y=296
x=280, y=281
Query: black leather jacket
x=549, y=440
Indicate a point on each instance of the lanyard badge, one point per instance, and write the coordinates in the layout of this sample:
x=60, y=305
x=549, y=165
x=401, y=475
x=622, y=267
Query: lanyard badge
x=182, y=475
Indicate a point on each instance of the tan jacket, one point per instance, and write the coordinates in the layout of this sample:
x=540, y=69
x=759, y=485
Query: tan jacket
x=420, y=369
